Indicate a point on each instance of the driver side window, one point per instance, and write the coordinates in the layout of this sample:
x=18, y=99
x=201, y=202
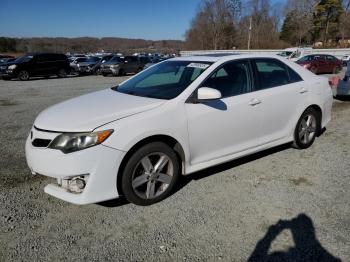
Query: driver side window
x=231, y=79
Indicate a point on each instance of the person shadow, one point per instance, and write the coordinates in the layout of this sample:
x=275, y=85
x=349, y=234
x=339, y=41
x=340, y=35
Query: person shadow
x=307, y=248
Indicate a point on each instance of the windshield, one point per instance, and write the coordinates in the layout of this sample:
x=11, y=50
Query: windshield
x=285, y=53
x=165, y=80
x=24, y=58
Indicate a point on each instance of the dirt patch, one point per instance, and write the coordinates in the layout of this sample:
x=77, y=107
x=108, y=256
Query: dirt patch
x=299, y=181
x=8, y=102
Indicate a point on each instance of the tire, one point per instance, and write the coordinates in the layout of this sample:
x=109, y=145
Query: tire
x=307, y=129
x=104, y=74
x=23, y=75
x=142, y=182
x=121, y=72
x=62, y=73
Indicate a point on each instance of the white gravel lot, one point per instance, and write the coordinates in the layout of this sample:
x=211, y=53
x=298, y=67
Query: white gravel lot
x=229, y=212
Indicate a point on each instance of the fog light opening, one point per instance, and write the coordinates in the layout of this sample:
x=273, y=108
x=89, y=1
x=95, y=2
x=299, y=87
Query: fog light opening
x=75, y=185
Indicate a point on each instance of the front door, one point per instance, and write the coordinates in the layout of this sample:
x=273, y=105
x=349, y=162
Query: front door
x=230, y=125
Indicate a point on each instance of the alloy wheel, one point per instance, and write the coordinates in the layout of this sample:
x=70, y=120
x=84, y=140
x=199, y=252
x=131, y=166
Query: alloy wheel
x=307, y=129
x=23, y=75
x=152, y=175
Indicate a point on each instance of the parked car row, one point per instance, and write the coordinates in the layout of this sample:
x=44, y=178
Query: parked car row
x=35, y=64
x=48, y=64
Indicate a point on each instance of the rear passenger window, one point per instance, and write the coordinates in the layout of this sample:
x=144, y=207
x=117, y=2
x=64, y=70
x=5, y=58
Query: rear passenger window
x=231, y=79
x=293, y=76
x=271, y=73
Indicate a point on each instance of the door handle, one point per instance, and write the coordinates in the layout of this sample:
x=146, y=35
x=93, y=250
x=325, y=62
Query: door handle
x=303, y=90
x=254, y=102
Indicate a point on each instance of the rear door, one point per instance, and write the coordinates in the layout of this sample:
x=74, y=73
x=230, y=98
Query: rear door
x=322, y=65
x=41, y=65
x=281, y=92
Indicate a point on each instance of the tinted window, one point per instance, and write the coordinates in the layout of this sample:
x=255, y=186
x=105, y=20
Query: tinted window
x=271, y=73
x=231, y=79
x=293, y=76
x=330, y=58
x=42, y=58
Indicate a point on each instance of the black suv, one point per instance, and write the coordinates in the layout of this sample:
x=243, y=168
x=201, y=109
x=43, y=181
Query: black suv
x=119, y=65
x=37, y=64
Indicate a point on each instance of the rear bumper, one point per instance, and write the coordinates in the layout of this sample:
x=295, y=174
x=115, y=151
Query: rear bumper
x=100, y=164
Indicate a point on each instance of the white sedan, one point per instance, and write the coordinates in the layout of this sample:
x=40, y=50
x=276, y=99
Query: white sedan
x=175, y=118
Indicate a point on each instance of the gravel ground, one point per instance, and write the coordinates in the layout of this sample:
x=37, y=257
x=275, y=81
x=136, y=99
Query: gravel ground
x=294, y=202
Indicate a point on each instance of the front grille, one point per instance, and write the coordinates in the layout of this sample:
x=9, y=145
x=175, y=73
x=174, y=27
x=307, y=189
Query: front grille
x=41, y=142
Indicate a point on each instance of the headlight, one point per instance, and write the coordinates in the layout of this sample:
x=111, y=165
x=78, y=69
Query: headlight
x=11, y=67
x=115, y=66
x=71, y=142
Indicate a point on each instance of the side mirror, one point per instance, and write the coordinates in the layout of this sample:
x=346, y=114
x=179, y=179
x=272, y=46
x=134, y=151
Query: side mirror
x=208, y=94
x=103, y=61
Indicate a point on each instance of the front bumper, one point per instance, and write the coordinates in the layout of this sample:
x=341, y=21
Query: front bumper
x=110, y=70
x=99, y=163
x=85, y=70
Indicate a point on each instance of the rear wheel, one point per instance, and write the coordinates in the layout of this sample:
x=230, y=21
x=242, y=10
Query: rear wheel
x=150, y=174
x=23, y=75
x=121, y=72
x=62, y=73
x=307, y=128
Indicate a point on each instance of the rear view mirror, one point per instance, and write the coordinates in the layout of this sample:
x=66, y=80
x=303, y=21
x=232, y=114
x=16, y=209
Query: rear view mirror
x=207, y=94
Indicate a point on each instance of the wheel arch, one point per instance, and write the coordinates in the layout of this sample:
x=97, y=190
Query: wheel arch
x=318, y=109
x=168, y=140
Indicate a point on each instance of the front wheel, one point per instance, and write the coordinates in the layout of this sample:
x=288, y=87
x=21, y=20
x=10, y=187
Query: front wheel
x=306, y=130
x=150, y=174
x=23, y=75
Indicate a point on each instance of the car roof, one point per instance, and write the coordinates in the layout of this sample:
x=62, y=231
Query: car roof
x=224, y=57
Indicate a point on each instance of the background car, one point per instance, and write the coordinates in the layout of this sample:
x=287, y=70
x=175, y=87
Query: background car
x=319, y=64
x=37, y=64
x=119, y=65
x=5, y=58
x=346, y=59
x=85, y=65
x=97, y=67
x=343, y=88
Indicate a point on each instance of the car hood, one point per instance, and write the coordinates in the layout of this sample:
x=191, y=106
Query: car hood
x=87, y=112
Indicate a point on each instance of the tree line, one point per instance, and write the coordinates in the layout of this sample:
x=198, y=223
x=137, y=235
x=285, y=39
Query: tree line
x=87, y=44
x=258, y=24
